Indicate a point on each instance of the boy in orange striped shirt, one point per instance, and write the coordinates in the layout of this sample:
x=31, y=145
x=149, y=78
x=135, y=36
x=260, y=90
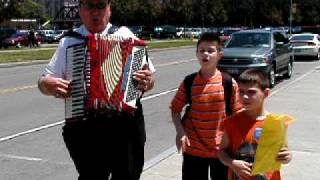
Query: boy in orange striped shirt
x=200, y=135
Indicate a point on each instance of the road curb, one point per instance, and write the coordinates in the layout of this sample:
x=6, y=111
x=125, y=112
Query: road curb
x=25, y=63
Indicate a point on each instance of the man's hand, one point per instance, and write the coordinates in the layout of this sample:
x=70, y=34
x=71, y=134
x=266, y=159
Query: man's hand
x=144, y=78
x=54, y=86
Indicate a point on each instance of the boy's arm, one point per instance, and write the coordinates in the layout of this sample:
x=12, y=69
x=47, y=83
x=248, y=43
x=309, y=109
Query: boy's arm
x=239, y=167
x=176, y=119
x=235, y=102
x=181, y=139
x=222, y=153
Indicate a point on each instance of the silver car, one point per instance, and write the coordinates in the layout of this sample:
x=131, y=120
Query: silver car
x=267, y=50
x=306, y=45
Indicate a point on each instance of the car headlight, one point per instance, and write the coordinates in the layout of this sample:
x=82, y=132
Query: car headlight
x=259, y=60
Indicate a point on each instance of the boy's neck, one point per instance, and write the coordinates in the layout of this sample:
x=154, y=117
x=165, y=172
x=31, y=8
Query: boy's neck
x=207, y=73
x=257, y=113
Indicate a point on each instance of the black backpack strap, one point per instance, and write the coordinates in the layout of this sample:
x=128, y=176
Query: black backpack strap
x=187, y=82
x=227, y=88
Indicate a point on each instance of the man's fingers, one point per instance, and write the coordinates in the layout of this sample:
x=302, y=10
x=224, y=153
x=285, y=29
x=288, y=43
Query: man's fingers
x=144, y=67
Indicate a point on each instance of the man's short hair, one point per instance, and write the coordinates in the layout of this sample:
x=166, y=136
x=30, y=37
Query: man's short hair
x=254, y=77
x=209, y=37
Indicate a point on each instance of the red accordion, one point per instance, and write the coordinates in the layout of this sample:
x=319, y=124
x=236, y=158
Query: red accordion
x=100, y=70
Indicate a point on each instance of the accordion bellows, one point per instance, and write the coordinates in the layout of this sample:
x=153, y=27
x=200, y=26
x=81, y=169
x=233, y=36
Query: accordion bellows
x=100, y=70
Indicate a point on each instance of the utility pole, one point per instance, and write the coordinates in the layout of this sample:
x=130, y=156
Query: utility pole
x=290, y=20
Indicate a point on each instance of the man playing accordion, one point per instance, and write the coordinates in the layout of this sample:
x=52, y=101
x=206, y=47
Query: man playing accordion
x=102, y=144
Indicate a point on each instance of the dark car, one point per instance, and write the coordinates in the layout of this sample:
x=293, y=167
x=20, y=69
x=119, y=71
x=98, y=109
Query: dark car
x=166, y=31
x=143, y=32
x=5, y=33
x=266, y=50
x=20, y=39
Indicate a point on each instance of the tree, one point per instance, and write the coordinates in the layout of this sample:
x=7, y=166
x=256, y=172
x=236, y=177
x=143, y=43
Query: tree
x=26, y=9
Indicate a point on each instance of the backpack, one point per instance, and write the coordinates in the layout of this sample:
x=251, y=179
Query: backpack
x=227, y=88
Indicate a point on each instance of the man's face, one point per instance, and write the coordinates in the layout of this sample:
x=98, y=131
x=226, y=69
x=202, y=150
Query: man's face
x=208, y=54
x=95, y=14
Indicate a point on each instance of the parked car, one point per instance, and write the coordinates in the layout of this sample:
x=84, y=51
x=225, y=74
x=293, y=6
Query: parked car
x=5, y=33
x=20, y=39
x=225, y=34
x=306, y=45
x=143, y=32
x=166, y=31
x=49, y=35
x=193, y=32
x=269, y=51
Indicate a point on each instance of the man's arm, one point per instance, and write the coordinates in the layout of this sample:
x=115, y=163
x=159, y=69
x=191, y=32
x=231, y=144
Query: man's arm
x=53, y=86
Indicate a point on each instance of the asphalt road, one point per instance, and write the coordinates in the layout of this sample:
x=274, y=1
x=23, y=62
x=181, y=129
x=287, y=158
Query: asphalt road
x=31, y=146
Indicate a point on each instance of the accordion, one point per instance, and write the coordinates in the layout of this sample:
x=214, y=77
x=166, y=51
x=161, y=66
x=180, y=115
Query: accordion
x=100, y=71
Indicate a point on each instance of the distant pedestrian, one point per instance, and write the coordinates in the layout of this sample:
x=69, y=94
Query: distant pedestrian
x=32, y=38
x=200, y=133
x=243, y=129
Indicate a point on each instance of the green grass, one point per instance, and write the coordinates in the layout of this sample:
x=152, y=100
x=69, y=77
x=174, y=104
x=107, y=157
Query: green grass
x=22, y=56
x=170, y=44
x=44, y=54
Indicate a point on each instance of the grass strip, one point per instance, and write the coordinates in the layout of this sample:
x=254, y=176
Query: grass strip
x=43, y=54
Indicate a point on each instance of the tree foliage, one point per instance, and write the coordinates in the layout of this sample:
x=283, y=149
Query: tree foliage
x=190, y=12
x=26, y=9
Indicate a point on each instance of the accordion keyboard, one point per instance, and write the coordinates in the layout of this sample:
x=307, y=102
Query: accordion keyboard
x=76, y=63
x=131, y=91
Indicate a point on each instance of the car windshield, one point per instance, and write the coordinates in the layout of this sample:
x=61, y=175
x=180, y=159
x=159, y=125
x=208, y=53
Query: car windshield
x=249, y=40
x=17, y=35
x=303, y=37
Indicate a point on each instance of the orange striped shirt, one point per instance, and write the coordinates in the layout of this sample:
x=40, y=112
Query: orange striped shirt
x=204, y=127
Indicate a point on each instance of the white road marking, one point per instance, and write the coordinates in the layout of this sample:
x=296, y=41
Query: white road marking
x=9, y=156
x=11, y=90
x=30, y=131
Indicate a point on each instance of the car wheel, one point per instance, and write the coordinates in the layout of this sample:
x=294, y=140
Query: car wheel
x=318, y=55
x=289, y=70
x=272, y=78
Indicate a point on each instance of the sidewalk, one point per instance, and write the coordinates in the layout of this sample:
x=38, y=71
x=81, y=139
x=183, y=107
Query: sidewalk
x=306, y=149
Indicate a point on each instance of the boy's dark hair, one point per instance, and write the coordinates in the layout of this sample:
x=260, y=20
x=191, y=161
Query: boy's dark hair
x=254, y=77
x=210, y=37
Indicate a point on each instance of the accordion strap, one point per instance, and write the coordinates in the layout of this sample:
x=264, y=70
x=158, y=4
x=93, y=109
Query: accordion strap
x=74, y=34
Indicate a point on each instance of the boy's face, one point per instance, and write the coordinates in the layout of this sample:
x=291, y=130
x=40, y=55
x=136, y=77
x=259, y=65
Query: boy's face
x=252, y=97
x=208, y=54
